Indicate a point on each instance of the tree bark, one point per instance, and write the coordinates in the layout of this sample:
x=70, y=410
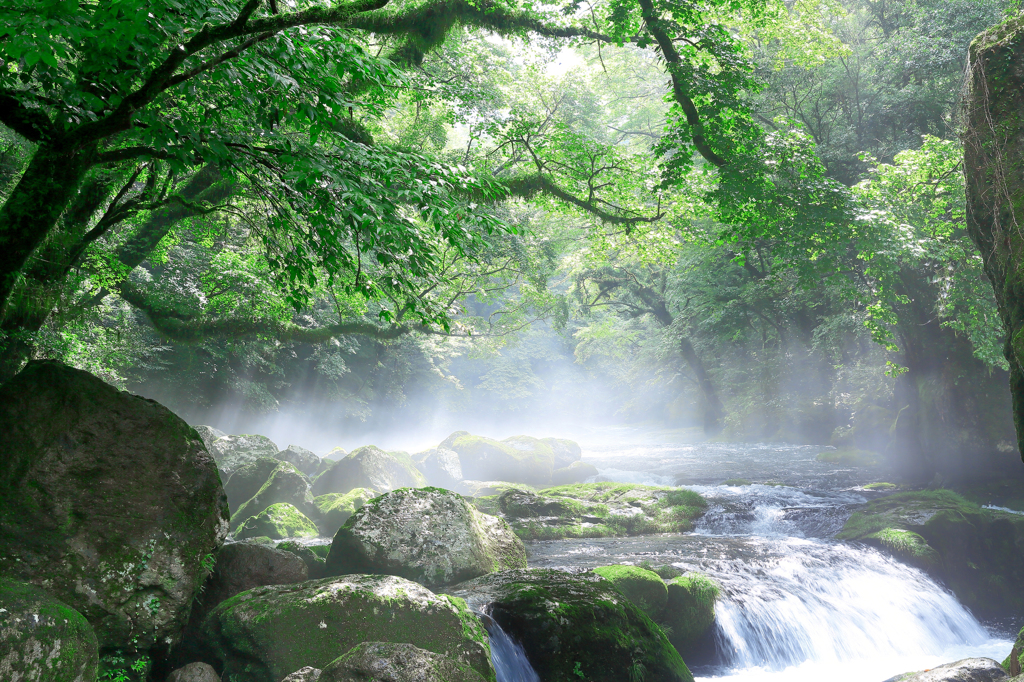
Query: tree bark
x=714, y=411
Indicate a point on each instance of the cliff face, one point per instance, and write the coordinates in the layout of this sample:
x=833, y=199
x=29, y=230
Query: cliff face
x=994, y=167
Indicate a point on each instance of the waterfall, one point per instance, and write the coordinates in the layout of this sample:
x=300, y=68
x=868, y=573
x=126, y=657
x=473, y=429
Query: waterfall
x=507, y=655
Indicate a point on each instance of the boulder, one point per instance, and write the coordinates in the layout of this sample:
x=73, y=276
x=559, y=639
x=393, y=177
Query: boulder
x=209, y=435
x=336, y=454
x=689, y=610
x=486, y=488
x=304, y=460
x=644, y=588
x=194, y=672
x=390, y=662
x=334, y=509
x=1013, y=662
x=369, y=467
x=967, y=670
x=576, y=626
x=247, y=480
x=519, y=459
x=108, y=500
x=429, y=535
x=577, y=472
x=233, y=452
x=440, y=466
x=523, y=504
x=307, y=674
x=315, y=564
x=566, y=451
x=269, y=632
x=278, y=522
x=286, y=484
x=43, y=639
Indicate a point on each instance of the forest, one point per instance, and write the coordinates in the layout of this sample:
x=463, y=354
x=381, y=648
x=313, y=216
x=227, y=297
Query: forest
x=461, y=340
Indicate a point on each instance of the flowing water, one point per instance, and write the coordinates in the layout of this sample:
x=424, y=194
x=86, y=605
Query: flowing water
x=507, y=655
x=796, y=604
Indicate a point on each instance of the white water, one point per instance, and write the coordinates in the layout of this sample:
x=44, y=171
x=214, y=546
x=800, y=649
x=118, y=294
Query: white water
x=507, y=656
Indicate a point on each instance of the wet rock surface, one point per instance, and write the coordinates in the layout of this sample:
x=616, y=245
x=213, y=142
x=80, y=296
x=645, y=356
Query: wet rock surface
x=233, y=452
x=966, y=670
x=369, y=467
x=194, y=672
x=390, y=662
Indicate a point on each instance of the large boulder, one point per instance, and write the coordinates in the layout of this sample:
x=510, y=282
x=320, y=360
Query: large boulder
x=194, y=672
x=233, y=452
x=278, y=522
x=1013, y=662
x=577, y=472
x=307, y=674
x=369, y=467
x=336, y=454
x=967, y=670
x=644, y=588
x=286, y=484
x=315, y=564
x=520, y=459
x=247, y=480
x=576, y=626
x=108, y=500
x=390, y=662
x=43, y=639
x=690, y=610
x=429, y=535
x=440, y=466
x=334, y=509
x=566, y=451
x=269, y=632
x=304, y=460
x=209, y=435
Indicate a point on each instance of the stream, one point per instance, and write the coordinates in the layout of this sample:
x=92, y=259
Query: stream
x=796, y=605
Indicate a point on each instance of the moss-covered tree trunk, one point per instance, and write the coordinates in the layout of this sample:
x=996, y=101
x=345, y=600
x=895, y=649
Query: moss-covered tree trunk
x=994, y=166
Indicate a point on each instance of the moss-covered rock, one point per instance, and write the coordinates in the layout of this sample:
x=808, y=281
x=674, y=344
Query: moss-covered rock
x=689, y=609
x=566, y=451
x=429, y=535
x=278, y=522
x=194, y=672
x=440, y=466
x=577, y=472
x=391, y=662
x=336, y=454
x=247, y=480
x=576, y=624
x=109, y=501
x=978, y=553
x=233, y=452
x=334, y=509
x=268, y=632
x=369, y=467
x=519, y=459
x=644, y=588
x=315, y=564
x=43, y=639
x=209, y=435
x=304, y=460
x=477, y=489
x=1014, y=663
x=286, y=484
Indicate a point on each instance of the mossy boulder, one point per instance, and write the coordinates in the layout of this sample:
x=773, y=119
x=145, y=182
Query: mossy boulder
x=42, y=639
x=304, y=460
x=519, y=459
x=644, y=588
x=278, y=522
x=268, y=632
x=369, y=467
x=689, y=609
x=576, y=624
x=285, y=485
x=194, y=672
x=247, y=480
x=577, y=472
x=440, y=466
x=336, y=454
x=334, y=509
x=978, y=553
x=429, y=535
x=488, y=488
x=209, y=435
x=108, y=500
x=233, y=452
x=1014, y=663
x=391, y=662
x=315, y=564
x=566, y=452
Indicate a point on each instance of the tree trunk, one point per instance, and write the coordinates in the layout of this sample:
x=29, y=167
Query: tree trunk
x=714, y=411
x=993, y=163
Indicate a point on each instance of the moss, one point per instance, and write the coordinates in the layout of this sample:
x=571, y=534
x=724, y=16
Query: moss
x=736, y=482
x=850, y=457
x=908, y=546
x=285, y=484
x=335, y=509
x=281, y=520
x=643, y=587
x=690, y=609
x=881, y=486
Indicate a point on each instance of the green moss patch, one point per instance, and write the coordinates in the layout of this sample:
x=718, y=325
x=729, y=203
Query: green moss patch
x=690, y=609
x=644, y=588
x=278, y=521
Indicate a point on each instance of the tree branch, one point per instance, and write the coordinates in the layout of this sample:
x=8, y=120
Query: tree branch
x=32, y=124
x=527, y=187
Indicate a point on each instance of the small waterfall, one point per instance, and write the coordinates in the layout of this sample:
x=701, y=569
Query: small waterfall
x=507, y=655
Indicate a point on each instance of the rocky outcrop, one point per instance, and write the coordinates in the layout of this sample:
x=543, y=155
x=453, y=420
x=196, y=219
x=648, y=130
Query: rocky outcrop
x=1013, y=662
x=278, y=522
x=194, y=672
x=315, y=564
x=233, y=452
x=429, y=535
x=209, y=435
x=440, y=466
x=566, y=452
x=334, y=509
x=689, y=610
x=519, y=459
x=644, y=588
x=389, y=662
x=369, y=467
x=304, y=460
x=108, y=500
x=269, y=632
x=577, y=472
x=286, y=484
x=573, y=624
x=307, y=674
x=247, y=480
x=43, y=639
x=967, y=670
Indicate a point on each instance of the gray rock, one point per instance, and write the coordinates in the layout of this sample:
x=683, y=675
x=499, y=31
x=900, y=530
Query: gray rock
x=209, y=435
x=577, y=472
x=247, y=480
x=43, y=639
x=194, y=672
x=967, y=670
x=334, y=509
x=268, y=632
x=520, y=459
x=432, y=536
x=369, y=467
x=315, y=564
x=390, y=662
x=307, y=674
x=286, y=484
x=108, y=500
x=566, y=451
x=336, y=454
x=440, y=466
x=233, y=452
x=304, y=460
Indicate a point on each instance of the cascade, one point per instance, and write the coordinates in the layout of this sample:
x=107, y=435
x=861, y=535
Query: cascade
x=507, y=655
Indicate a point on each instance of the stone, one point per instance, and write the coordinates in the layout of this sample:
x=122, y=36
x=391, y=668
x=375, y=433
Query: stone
x=566, y=451
x=209, y=435
x=307, y=674
x=278, y=522
x=194, y=672
x=429, y=535
x=519, y=459
x=304, y=460
x=108, y=500
x=43, y=639
x=391, y=662
x=577, y=472
x=1013, y=662
x=286, y=484
x=689, y=610
x=644, y=588
x=247, y=480
x=269, y=632
x=316, y=565
x=440, y=466
x=967, y=670
x=369, y=467
x=334, y=509
x=575, y=626
x=336, y=454
x=233, y=452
